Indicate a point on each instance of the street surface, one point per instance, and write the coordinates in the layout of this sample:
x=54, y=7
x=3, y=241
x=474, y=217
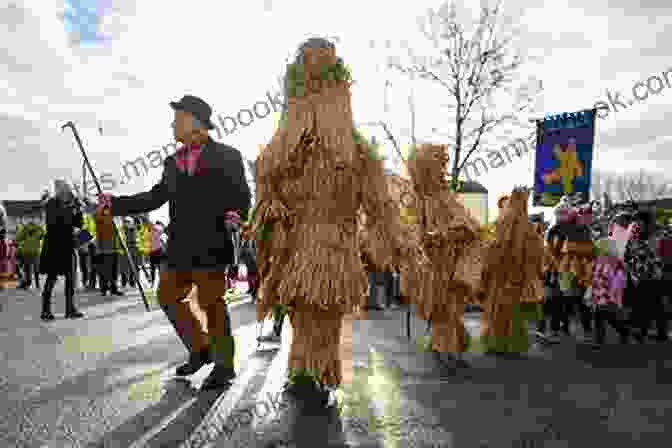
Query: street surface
x=106, y=381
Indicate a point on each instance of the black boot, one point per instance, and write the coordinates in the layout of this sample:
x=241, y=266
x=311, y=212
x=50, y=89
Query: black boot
x=46, y=308
x=220, y=377
x=195, y=363
x=70, y=311
x=276, y=335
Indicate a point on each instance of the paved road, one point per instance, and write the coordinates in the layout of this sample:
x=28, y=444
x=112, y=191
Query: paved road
x=106, y=381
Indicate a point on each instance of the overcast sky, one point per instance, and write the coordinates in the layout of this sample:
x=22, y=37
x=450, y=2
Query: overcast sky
x=117, y=64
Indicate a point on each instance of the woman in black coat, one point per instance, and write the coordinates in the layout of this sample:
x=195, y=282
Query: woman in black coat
x=58, y=251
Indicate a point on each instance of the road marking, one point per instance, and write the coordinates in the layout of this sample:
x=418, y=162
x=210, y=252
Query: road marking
x=210, y=428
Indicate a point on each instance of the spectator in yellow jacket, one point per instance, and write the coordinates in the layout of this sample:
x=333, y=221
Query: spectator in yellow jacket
x=29, y=238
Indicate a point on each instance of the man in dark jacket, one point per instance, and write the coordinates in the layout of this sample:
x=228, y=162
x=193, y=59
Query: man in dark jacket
x=201, y=182
x=58, y=251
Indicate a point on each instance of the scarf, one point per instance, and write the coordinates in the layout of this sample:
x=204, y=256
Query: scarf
x=187, y=157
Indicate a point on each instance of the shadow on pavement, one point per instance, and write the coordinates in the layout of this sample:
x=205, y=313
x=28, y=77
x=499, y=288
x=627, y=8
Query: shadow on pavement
x=631, y=356
x=177, y=392
x=117, y=312
x=95, y=382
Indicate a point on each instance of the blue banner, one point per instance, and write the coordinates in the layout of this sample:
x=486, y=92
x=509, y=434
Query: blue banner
x=564, y=157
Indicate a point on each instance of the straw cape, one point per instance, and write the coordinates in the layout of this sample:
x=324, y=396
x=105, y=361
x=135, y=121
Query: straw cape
x=512, y=274
x=320, y=189
x=448, y=235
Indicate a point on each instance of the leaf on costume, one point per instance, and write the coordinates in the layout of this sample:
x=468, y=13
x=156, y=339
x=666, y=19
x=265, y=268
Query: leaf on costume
x=264, y=232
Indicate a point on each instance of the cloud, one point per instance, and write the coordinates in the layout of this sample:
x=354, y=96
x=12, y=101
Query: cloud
x=118, y=64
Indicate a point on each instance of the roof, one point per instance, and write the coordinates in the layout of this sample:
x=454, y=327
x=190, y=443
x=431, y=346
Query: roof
x=471, y=186
x=22, y=208
x=661, y=203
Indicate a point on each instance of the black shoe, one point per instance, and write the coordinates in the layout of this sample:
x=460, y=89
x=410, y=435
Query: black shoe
x=374, y=308
x=73, y=314
x=24, y=286
x=103, y=293
x=272, y=338
x=196, y=361
x=220, y=377
x=47, y=316
x=116, y=292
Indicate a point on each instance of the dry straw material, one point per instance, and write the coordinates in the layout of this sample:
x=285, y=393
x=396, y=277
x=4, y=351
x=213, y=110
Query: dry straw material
x=577, y=258
x=322, y=200
x=513, y=268
x=449, y=237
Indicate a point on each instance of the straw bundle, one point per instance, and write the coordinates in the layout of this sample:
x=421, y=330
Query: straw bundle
x=450, y=238
x=513, y=268
x=535, y=254
x=427, y=168
x=577, y=258
x=382, y=214
x=449, y=334
x=321, y=201
x=506, y=264
x=470, y=270
x=316, y=338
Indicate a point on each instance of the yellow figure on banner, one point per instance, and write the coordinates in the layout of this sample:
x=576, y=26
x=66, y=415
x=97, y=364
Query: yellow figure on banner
x=570, y=167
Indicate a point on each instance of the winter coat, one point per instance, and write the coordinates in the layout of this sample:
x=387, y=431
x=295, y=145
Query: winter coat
x=144, y=239
x=104, y=227
x=59, y=244
x=29, y=239
x=198, y=236
x=608, y=281
x=642, y=263
x=7, y=258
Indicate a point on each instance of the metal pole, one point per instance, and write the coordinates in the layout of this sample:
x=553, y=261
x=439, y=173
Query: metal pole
x=117, y=234
x=408, y=322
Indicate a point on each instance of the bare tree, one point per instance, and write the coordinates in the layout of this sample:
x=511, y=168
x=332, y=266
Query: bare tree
x=472, y=67
x=637, y=187
x=387, y=128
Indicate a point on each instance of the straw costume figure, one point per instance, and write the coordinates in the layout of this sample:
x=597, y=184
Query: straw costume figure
x=313, y=180
x=513, y=265
x=451, y=239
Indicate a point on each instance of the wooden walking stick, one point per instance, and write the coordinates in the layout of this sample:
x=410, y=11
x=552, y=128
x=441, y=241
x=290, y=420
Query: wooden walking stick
x=117, y=234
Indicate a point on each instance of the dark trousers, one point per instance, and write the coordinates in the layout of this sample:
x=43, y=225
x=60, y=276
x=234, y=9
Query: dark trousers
x=83, y=256
x=69, y=292
x=584, y=311
x=558, y=308
x=126, y=269
x=30, y=270
x=108, y=272
x=377, y=280
x=155, y=263
x=616, y=321
x=247, y=258
x=647, y=301
x=93, y=274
